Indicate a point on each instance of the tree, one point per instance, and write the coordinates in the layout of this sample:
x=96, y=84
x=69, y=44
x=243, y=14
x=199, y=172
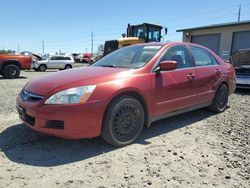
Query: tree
x=5, y=51
x=100, y=49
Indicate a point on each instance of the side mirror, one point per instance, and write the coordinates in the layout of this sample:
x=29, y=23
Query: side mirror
x=166, y=65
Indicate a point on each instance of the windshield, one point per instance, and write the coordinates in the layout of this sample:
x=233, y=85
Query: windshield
x=131, y=57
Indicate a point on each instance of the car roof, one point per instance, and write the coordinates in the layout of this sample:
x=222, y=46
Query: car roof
x=169, y=43
x=60, y=56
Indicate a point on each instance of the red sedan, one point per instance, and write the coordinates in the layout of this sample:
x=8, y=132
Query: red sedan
x=127, y=90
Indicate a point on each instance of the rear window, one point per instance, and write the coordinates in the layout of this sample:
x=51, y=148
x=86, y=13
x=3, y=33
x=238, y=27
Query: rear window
x=201, y=57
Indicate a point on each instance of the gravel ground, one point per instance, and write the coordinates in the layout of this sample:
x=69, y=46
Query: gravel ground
x=196, y=149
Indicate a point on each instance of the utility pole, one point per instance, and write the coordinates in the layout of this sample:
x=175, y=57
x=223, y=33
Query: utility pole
x=43, y=46
x=92, y=35
x=86, y=49
x=239, y=13
x=18, y=48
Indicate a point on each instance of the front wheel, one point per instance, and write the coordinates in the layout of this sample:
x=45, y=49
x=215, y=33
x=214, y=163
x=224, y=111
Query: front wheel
x=220, y=100
x=11, y=71
x=42, y=68
x=123, y=121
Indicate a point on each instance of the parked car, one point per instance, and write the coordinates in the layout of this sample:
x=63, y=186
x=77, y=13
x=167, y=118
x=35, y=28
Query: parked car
x=10, y=65
x=76, y=57
x=241, y=62
x=87, y=58
x=127, y=90
x=54, y=62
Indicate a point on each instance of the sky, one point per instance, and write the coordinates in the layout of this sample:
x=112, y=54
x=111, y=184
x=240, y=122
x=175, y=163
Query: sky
x=66, y=26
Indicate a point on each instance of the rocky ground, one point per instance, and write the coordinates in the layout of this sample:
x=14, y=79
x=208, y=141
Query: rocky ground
x=196, y=149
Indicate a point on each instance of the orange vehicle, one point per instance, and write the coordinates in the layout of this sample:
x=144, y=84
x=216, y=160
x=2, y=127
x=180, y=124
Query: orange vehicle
x=10, y=65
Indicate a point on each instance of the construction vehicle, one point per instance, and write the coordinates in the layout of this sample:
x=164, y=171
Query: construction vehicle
x=141, y=33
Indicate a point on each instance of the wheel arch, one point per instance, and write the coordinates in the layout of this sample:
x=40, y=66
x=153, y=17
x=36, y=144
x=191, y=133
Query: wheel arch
x=224, y=82
x=134, y=94
x=68, y=65
x=11, y=62
x=43, y=64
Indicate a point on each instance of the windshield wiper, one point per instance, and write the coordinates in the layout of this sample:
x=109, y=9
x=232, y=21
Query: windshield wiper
x=109, y=66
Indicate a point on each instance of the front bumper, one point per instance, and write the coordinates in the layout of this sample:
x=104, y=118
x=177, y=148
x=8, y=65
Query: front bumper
x=243, y=81
x=34, y=65
x=68, y=121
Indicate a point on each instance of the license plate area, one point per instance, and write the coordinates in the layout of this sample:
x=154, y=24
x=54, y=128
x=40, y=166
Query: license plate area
x=25, y=117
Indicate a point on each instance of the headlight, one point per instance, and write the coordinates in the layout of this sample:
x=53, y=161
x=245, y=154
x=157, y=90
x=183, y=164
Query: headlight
x=78, y=95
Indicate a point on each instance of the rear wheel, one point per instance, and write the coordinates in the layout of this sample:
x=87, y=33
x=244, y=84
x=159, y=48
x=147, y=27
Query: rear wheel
x=68, y=67
x=42, y=68
x=11, y=71
x=123, y=121
x=220, y=100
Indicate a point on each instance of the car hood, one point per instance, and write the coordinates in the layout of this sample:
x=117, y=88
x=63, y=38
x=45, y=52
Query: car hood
x=76, y=77
x=43, y=61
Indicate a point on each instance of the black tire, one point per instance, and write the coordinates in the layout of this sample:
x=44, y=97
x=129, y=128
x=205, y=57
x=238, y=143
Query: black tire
x=36, y=69
x=220, y=100
x=11, y=71
x=68, y=67
x=123, y=121
x=42, y=68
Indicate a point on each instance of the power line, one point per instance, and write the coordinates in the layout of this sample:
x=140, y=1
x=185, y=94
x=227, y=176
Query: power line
x=92, y=35
x=43, y=46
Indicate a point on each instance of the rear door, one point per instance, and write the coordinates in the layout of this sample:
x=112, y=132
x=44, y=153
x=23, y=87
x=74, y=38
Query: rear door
x=209, y=73
x=62, y=62
x=53, y=62
x=175, y=89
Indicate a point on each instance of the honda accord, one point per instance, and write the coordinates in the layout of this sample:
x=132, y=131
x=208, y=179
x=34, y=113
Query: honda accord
x=127, y=90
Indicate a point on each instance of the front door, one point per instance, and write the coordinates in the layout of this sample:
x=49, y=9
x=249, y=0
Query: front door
x=175, y=89
x=52, y=62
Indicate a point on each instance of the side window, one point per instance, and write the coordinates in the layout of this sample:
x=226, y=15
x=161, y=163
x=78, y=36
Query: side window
x=201, y=57
x=179, y=54
x=215, y=62
x=53, y=58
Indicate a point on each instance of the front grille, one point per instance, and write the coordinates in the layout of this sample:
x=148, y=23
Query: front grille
x=54, y=124
x=31, y=97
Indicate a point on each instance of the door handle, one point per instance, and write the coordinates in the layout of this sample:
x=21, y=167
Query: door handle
x=191, y=76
